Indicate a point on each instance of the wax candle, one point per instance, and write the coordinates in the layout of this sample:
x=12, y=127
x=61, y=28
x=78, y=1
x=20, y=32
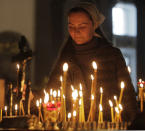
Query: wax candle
x=101, y=97
x=6, y=110
x=121, y=93
x=112, y=112
x=16, y=109
x=69, y=116
x=54, y=95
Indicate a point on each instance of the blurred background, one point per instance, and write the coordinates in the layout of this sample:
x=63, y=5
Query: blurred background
x=43, y=23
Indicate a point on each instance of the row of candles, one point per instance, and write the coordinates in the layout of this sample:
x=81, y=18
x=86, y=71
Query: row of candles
x=78, y=105
x=78, y=112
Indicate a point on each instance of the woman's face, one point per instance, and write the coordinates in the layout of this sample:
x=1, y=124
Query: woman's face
x=80, y=27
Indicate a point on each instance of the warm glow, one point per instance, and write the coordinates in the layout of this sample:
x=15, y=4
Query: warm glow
x=54, y=93
x=101, y=90
x=65, y=67
x=92, y=77
x=129, y=69
x=51, y=92
x=117, y=110
x=92, y=97
x=69, y=115
x=80, y=102
x=58, y=93
x=110, y=103
x=141, y=85
x=63, y=96
x=37, y=103
x=100, y=107
x=72, y=87
x=80, y=93
x=94, y=65
x=16, y=107
x=81, y=87
x=46, y=98
x=140, y=80
x=61, y=78
x=40, y=100
x=75, y=94
x=122, y=84
x=18, y=66
x=120, y=107
x=115, y=97
x=6, y=108
x=53, y=102
x=74, y=113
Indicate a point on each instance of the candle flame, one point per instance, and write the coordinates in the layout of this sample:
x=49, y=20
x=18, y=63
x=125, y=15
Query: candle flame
x=92, y=97
x=80, y=93
x=72, y=87
x=63, y=96
x=74, y=113
x=46, y=98
x=58, y=93
x=120, y=107
x=94, y=65
x=92, y=77
x=53, y=102
x=110, y=103
x=40, y=100
x=141, y=85
x=117, y=110
x=6, y=108
x=140, y=80
x=69, y=115
x=100, y=107
x=80, y=102
x=122, y=84
x=65, y=67
x=16, y=107
x=61, y=79
x=54, y=93
x=81, y=87
x=18, y=66
x=37, y=103
x=129, y=69
x=115, y=97
x=101, y=90
x=51, y=92
x=75, y=94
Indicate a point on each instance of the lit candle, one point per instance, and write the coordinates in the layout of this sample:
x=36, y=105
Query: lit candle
x=115, y=98
x=141, y=97
x=74, y=115
x=46, y=98
x=65, y=69
x=129, y=69
x=69, y=116
x=120, y=110
x=101, y=97
x=75, y=96
x=82, y=103
x=121, y=93
x=100, y=114
x=6, y=110
x=117, y=114
x=112, y=112
x=16, y=109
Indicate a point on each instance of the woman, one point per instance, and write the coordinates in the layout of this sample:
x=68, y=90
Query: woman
x=84, y=46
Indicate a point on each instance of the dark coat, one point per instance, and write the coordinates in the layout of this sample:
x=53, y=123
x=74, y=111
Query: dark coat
x=110, y=72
